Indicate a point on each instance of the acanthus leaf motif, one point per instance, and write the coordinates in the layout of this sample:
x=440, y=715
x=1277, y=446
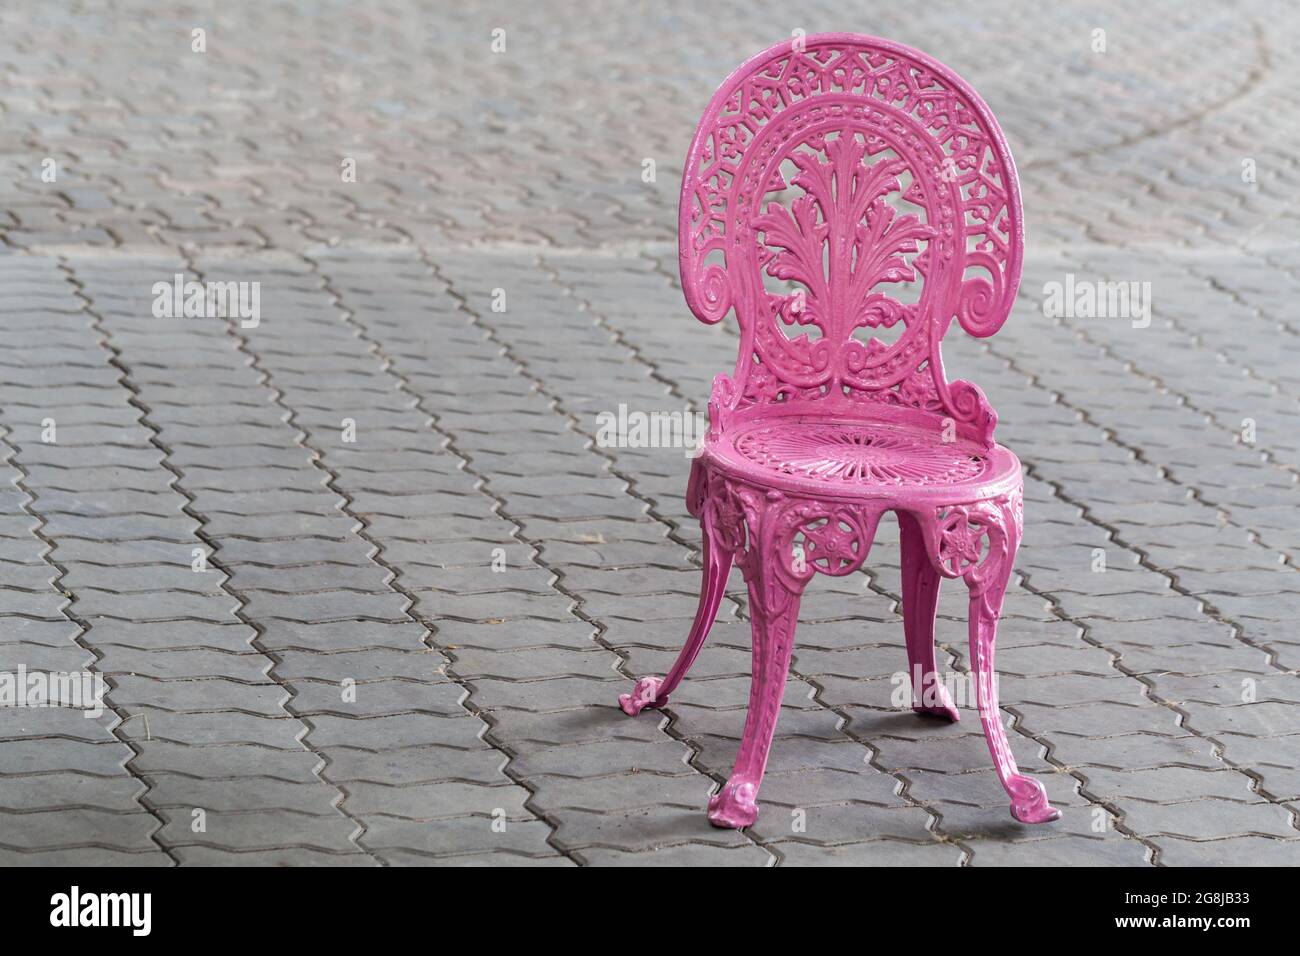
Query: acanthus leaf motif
x=840, y=240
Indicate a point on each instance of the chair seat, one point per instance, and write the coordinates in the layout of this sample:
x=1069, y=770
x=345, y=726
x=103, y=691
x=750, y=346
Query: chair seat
x=855, y=459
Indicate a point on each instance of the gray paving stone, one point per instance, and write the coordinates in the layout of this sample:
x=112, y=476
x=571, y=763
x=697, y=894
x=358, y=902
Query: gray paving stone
x=131, y=831
x=413, y=662
x=1160, y=783
x=691, y=854
x=1232, y=851
x=404, y=730
x=413, y=765
x=601, y=758
x=236, y=795
x=145, y=694
x=579, y=725
x=84, y=856
x=332, y=636
x=279, y=856
x=873, y=853
x=379, y=698
x=438, y=800
x=459, y=836
x=641, y=830
x=246, y=667
x=1139, y=751
x=1060, y=851
x=490, y=859
x=102, y=758
x=228, y=760
x=838, y=823
x=259, y=829
x=1207, y=819
x=64, y=790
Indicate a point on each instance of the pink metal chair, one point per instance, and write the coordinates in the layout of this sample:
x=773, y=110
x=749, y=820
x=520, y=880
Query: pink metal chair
x=825, y=175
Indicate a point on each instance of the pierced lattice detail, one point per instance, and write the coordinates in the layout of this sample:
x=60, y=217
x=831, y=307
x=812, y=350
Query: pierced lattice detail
x=900, y=176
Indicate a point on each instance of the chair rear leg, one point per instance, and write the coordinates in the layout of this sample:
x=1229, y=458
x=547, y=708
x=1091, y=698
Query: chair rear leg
x=653, y=692
x=920, y=601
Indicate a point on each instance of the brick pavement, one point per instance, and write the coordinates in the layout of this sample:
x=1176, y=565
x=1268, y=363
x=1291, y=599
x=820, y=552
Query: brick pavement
x=406, y=647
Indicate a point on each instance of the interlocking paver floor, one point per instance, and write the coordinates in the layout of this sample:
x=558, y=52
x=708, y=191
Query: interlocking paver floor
x=365, y=585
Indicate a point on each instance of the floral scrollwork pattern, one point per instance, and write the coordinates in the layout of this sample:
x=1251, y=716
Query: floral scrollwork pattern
x=975, y=541
x=781, y=541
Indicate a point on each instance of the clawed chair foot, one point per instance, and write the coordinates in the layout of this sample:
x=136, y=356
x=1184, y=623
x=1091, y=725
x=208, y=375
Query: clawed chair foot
x=735, y=806
x=1029, y=801
x=644, y=694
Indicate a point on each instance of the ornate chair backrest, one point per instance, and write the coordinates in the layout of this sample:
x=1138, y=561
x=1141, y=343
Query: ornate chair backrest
x=844, y=182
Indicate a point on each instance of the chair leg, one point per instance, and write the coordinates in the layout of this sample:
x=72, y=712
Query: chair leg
x=774, y=615
x=1028, y=797
x=920, y=600
x=653, y=692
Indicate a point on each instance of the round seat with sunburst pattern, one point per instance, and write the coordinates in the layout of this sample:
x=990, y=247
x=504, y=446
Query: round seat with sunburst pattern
x=853, y=456
x=889, y=462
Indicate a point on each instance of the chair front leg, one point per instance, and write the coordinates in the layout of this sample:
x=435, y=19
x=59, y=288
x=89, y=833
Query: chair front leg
x=1028, y=797
x=999, y=523
x=774, y=611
